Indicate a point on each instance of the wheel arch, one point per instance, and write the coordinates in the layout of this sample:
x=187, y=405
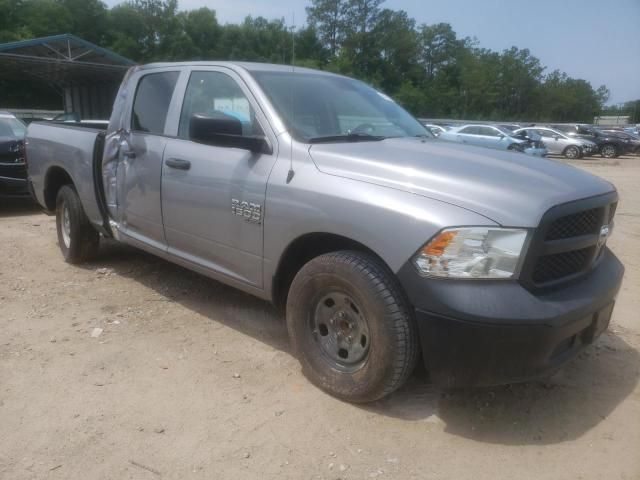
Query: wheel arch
x=303, y=249
x=564, y=151
x=55, y=178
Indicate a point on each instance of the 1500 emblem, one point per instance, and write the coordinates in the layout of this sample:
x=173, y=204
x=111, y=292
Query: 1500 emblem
x=251, y=212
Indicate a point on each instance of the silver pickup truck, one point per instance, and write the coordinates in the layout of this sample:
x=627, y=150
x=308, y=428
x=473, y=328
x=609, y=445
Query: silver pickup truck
x=320, y=194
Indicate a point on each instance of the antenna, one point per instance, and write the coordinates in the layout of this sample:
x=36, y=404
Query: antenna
x=291, y=173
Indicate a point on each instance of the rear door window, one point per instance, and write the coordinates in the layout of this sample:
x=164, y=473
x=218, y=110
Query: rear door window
x=488, y=131
x=152, y=100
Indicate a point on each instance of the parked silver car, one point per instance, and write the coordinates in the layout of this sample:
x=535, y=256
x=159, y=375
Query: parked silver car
x=492, y=136
x=558, y=143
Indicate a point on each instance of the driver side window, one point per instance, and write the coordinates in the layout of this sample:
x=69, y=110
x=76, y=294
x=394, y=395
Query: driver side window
x=214, y=94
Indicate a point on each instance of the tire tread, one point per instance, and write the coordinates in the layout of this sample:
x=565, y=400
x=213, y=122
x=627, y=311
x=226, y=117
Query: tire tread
x=397, y=311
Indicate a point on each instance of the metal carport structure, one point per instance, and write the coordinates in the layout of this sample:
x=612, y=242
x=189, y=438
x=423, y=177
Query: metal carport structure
x=86, y=76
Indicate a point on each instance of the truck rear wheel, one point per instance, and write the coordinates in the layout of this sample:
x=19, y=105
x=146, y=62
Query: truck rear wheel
x=78, y=240
x=351, y=326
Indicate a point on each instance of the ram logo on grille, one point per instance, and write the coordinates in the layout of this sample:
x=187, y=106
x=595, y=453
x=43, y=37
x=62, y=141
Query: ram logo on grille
x=605, y=231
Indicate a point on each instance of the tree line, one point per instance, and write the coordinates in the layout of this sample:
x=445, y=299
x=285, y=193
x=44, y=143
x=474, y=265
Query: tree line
x=630, y=109
x=427, y=68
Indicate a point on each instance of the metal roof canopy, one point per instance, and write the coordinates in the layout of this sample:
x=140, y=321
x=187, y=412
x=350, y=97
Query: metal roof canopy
x=62, y=61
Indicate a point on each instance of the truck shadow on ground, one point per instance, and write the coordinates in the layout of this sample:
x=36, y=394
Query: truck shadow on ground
x=558, y=409
x=17, y=207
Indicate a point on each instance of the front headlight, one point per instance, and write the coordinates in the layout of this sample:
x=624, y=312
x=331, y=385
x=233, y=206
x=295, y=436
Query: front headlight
x=472, y=252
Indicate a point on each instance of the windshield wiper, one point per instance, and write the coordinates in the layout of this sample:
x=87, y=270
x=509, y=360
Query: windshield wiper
x=347, y=137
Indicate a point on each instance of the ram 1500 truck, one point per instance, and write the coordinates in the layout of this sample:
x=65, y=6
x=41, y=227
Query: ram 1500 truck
x=314, y=191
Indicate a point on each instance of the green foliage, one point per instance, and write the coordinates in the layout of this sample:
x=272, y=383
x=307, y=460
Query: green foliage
x=45, y=17
x=428, y=68
x=327, y=18
x=631, y=109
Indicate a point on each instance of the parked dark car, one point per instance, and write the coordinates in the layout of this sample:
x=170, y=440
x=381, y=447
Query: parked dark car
x=609, y=145
x=634, y=140
x=13, y=169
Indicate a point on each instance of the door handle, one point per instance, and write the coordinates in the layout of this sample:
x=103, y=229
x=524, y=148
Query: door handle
x=178, y=163
x=129, y=153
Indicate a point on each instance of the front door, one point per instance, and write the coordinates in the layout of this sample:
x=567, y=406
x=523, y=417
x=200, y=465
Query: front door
x=213, y=197
x=490, y=137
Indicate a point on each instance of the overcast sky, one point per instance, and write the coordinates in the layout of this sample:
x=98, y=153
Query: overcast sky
x=591, y=39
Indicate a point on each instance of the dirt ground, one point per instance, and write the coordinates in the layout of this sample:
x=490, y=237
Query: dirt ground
x=192, y=379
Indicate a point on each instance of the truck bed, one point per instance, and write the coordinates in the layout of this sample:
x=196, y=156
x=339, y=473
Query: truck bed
x=55, y=148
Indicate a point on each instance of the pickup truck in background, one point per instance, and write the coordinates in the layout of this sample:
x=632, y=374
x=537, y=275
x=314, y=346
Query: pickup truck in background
x=323, y=196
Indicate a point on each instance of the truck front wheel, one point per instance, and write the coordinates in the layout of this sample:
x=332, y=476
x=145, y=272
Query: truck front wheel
x=78, y=240
x=351, y=326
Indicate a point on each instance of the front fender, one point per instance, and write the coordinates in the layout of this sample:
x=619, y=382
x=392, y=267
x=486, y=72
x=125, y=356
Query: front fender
x=392, y=223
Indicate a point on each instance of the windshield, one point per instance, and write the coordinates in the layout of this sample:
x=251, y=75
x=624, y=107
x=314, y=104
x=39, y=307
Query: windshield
x=503, y=130
x=318, y=106
x=12, y=127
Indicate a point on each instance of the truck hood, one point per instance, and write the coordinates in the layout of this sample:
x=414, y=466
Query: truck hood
x=512, y=189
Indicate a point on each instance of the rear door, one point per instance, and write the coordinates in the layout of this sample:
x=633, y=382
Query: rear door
x=469, y=135
x=140, y=163
x=213, y=197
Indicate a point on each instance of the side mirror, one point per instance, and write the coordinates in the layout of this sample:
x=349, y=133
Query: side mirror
x=501, y=135
x=556, y=137
x=223, y=130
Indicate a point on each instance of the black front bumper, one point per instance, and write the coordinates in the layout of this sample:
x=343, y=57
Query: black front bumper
x=13, y=177
x=10, y=186
x=480, y=333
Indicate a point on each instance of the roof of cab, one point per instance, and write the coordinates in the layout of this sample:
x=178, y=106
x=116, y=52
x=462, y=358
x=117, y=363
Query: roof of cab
x=249, y=66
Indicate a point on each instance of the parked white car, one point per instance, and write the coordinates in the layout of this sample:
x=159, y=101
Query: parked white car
x=492, y=136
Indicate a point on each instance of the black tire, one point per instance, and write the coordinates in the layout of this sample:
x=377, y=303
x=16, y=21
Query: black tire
x=609, y=150
x=368, y=298
x=78, y=240
x=572, y=152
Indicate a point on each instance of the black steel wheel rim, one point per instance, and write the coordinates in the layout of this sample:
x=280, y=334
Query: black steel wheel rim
x=340, y=330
